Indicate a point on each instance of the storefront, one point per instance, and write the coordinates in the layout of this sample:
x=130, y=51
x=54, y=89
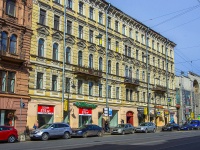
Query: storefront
x=45, y=114
x=114, y=118
x=129, y=117
x=85, y=116
x=141, y=115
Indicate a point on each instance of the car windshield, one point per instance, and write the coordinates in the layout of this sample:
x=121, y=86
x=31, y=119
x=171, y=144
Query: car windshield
x=45, y=126
x=144, y=124
x=120, y=125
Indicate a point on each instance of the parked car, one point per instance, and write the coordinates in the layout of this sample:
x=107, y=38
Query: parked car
x=146, y=127
x=195, y=124
x=123, y=129
x=8, y=133
x=52, y=130
x=186, y=126
x=171, y=127
x=87, y=130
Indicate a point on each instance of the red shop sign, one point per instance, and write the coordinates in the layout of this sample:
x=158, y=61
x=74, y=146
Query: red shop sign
x=85, y=111
x=42, y=109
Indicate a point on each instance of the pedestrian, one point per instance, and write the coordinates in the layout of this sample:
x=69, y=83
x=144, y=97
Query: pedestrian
x=122, y=121
x=106, y=126
x=35, y=126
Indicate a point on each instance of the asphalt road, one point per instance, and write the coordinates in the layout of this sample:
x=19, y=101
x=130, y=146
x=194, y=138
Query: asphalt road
x=183, y=140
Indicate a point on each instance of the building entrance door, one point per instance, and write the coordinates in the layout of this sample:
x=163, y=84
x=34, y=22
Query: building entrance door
x=129, y=117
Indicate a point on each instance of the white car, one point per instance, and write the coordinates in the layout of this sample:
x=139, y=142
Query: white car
x=146, y=127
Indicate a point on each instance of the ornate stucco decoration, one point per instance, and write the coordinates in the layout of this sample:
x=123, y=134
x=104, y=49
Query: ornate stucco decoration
x=57, y=36
x=43, y=31
x=92, y=48
x=70, y=40
x=81, y=44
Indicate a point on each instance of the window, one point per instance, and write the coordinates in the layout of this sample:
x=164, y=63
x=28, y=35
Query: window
x=117, y=46
x=143, y=96
x=90, y=88
x=80, y=58
x=67, y=85
x=143, y=75
x=56, y=22
x=54, y=83
x=130, y=33
x=68, y=55
x=126, y=50
x=137, y=54
x=91, y=61
x=158, y=47
x=13, y=44
x=3, y=41
x=136, y=36
x=109, y=66
x=69, y=4
x=42, y=17
x=124, y=29
x=100, y=90
x=55, y=51
x=10, y=7
x=41, y=48
x=80, y=29
x=153, y=44
x=7, y=81
x=81, y=8
x=91, y=13
x=39, y=80
x=100, y=18
x=138, y=96
x=127, y=91
x=69, y=27
x=137, y=74
x=171, y=68
x=129, y=51
x=130, y=72
x=100, y=40
x=109, y=43
x=149, y=77
x=163, y=63
x=80, y=82
x=158, y=63
x=126, y=71
x=57, y=1
x=142, y=38
x=116, y=26
x=162, y=49
x=117, y=69
x=117, y=92
x=142, y=57
x=109, y=91
x=153, y=61
x=170, y=53
x=100, y=63
x=91, y=36
x=131, y=95
x=109, y=22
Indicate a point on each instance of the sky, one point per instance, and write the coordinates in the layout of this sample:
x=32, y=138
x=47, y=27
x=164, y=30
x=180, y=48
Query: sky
x=177, y=20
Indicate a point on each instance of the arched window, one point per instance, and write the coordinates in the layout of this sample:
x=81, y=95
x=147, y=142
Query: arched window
x=143, y=75
x=90, y=61
x=41, y=48
x=80, y=58
x=130, y=72
x=117, y=69
x=126, y=71
x=55, y=51
x=100, y=63
x=13, y=44
x=68, y=55
x=3, y=41
x=137, y=74
x=10, y=7
x=109, y=66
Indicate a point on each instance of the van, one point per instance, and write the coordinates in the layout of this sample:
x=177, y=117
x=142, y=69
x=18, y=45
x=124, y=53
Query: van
x=195, y=124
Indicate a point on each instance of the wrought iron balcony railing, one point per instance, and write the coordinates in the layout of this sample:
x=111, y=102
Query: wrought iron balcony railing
x=133, y=81
x=159, y=88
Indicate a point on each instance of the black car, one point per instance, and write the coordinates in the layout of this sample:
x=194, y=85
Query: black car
x=87, y=130
x=171, y=127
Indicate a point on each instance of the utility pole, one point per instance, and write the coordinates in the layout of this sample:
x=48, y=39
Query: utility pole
x=166, y=55
x=64, y=55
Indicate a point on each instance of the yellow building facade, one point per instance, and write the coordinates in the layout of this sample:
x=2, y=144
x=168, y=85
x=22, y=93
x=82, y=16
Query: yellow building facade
x=85, y=66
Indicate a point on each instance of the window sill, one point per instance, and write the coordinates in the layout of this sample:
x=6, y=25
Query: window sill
x=92, y=20
x=42, y=25
x=82, y=15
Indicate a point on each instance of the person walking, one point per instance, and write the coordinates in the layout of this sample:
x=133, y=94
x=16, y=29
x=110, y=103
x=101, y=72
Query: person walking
x=35, y=126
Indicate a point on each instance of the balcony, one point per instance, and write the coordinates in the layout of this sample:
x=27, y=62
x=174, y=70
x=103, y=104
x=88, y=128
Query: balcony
x=131, y=81
x=159, y=89
x=12, y=57
x=87, y=72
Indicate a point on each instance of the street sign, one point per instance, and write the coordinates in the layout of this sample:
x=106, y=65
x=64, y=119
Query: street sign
x=110, y=111
x=22, y=105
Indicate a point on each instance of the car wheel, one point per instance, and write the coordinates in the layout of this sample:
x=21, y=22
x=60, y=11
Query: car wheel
x=45, y=136
x=178, y=129
x=85, y=135
x=99, y=134
x=146, y=131
x=133, y=131
x=154, y=130
x=66, y=135
x=11, y=139
x=123, y=132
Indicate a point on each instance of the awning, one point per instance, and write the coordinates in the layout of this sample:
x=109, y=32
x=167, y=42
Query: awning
x=85, y=105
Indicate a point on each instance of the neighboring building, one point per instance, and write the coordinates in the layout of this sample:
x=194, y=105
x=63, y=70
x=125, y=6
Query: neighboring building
x=187, y=97
x=15, y=38
x=85, y=66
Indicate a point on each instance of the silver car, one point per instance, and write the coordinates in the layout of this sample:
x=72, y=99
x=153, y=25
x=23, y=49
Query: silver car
x=123, y=128
x=146, y=127
x=52, y=130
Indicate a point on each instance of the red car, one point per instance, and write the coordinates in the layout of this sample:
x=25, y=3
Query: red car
x=8, y=133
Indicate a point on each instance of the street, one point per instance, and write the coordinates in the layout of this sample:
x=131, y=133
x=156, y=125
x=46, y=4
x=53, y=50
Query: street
x=182, y=140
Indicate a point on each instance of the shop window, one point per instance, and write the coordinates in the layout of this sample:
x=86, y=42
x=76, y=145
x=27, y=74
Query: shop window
x=10, y=7
x=83, y=120
x=3, y=41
